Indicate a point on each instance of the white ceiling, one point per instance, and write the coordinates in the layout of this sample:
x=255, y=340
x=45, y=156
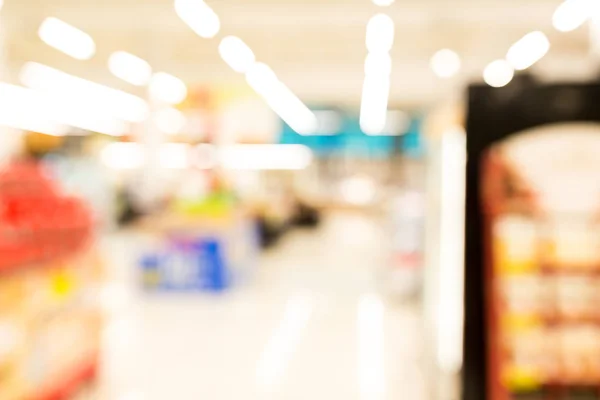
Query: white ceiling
x=315, y=46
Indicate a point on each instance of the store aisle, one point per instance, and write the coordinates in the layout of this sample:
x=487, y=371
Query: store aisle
x=310, y=326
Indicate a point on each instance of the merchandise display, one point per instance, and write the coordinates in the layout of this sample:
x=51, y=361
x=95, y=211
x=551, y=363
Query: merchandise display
x=273, y=197
x=532, y=246
x=82, y=175
x=200, y=254
x=49, y=319
x=541, y=199
x=204, y=241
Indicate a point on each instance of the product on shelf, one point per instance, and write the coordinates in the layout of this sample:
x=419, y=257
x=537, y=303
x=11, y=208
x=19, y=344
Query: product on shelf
x=533, y=156
x=36, y=222
x=49, y=321
x=205, y=240
x=544, y=265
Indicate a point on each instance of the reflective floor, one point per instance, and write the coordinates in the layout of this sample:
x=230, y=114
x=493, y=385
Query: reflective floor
x=310, y=325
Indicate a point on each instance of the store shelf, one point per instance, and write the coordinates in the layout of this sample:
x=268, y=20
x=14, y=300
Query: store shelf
x=64, y=389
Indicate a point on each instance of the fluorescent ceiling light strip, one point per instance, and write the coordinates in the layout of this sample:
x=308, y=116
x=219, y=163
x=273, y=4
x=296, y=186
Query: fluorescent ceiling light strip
x=383, y=3
x=373, y=108
x=378, y=68
x=236, y=54
x=282, y=345
x=292, y=110
x=130, y=68
x=22, y=108
x=261, y=78
x=498, y=73
x=167, y=88
x=67, y=39
x=72, y=112
x=397, y=123
x=281, y=99
x=38, y=111
x=79, y=115
x=380, y=34
x=199, y=17
x=371, y=347
x=528, y=50
x=445, y=63
x=571, y=14
x=378, y=64
x=98, y=97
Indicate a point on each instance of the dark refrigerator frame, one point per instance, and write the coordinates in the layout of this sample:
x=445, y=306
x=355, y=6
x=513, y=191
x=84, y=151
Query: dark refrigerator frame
x=494, y=114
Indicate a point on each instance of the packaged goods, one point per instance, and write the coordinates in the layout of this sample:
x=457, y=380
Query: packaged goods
x=49, y=322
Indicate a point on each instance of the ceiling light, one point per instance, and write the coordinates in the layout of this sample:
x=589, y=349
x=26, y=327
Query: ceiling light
x=281, y=99
x=130, y=68
x=292, y=110
x=167, y=88
x=380, y=34
x=571, y=14
x=198, y=16
x=41, y=112
x=26, y=110
x=236, y=54
x=528, y=50
x=80, y=115
x=498, y=73
x=66, y=38
x=378, y=64
x=374, y=102
x=445, y=63
x=261, y=78
x=383, y=3
x=170, y=121
x=94, y=96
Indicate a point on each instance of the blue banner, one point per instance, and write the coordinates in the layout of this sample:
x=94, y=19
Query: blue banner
x=346, y=137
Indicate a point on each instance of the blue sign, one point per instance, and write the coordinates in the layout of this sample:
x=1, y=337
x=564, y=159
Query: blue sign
x=349, y=139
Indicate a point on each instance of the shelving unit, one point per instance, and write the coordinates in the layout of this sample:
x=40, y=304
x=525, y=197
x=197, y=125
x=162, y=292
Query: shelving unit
x=49, y=316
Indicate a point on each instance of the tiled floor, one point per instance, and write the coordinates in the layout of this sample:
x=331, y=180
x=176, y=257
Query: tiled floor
x=311, y=325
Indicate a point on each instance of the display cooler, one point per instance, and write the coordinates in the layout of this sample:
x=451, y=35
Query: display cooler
x=532, y=269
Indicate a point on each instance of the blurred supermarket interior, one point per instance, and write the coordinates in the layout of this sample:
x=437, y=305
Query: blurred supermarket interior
x=294, y=199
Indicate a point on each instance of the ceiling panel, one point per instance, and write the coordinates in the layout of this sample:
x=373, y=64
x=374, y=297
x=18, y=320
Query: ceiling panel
x=317, y=46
